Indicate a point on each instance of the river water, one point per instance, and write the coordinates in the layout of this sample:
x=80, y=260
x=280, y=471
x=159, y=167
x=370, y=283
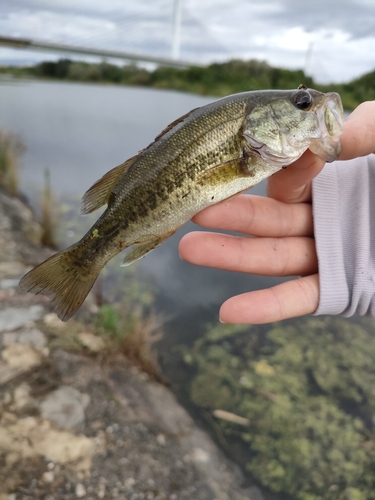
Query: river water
x=80, y=131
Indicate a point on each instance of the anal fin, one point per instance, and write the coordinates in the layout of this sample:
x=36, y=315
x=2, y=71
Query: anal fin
x=139, y=250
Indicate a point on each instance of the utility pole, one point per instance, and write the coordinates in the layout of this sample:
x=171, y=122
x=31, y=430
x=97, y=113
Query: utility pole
x=176, y=40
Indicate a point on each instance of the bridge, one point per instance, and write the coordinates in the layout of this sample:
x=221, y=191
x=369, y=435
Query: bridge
x=38, y=45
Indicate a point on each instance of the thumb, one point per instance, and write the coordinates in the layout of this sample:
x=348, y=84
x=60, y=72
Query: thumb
x=293, y=184
x=358, y=138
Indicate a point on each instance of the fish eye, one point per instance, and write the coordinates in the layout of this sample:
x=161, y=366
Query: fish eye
x=302, y=100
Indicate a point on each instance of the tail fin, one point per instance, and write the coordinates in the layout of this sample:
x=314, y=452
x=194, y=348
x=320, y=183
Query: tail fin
x=66, y=285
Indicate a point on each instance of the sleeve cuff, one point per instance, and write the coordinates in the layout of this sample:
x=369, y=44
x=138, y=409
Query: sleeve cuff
x=344, y=225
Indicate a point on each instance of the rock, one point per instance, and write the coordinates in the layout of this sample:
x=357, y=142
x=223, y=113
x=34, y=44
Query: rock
x=153, y=406
x=51, y=319
x=29, y=437
x=48, y=477
x=6, y=284
x=160, y=438
x=129, y=483
x=199, y=455
x=65, y=407
x=92, y=342
x=33, y=338
x=12, y=269
x=21, y=396
x=21, y=357
x=7, y=373
x=15, y=317
x=17, y=359
x=19, y=232
x=101, y=491
x=80, y=490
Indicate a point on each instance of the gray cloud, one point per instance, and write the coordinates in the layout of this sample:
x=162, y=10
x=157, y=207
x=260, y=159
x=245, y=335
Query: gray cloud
x=354, y=17
x=341, y=32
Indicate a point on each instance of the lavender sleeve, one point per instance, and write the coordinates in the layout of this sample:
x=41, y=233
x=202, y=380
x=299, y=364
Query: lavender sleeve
x=344, y=225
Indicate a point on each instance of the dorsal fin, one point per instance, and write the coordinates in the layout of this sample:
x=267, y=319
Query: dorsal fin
x=99, y=193
x=172, y=125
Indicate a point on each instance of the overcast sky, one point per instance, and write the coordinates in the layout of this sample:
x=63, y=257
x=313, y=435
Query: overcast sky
x=332, y=40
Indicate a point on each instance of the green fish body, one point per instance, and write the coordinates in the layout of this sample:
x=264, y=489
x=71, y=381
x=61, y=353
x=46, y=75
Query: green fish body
x=206, y=156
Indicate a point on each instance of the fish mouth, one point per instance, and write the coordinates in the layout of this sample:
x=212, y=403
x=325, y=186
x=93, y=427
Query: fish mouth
x=277, y=158
x=330, y=119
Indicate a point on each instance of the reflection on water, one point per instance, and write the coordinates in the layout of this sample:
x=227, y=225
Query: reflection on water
x=80, y=131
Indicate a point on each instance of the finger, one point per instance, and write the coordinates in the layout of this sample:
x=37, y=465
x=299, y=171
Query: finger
x=258, y=216
x=265, y=256
x=288, y=300
x=358, y=138
x=293, y=184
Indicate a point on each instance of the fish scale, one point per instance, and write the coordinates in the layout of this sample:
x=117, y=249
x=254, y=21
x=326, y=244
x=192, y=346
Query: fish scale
x=204, y=157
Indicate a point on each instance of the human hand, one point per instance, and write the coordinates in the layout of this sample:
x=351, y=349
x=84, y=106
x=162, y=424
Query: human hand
x=283, y=226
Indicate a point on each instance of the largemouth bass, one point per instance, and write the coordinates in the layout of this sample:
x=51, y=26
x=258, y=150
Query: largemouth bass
x=204, y=157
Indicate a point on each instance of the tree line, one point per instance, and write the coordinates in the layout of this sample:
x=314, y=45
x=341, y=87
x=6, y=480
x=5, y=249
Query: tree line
x=217, y=79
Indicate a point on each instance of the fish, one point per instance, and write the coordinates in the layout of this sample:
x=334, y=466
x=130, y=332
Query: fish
x=206, y=156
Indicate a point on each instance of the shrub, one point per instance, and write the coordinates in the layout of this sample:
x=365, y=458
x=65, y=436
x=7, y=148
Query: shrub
x=11, y=148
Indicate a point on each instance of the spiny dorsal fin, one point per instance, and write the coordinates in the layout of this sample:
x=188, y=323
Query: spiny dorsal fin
x=172, y=125
x=99, y=193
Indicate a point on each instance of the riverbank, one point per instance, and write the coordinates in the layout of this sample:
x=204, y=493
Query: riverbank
x=76, y=424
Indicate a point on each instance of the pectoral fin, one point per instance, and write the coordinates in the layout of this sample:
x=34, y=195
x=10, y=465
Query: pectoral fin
x=139, y=250
x=221, y=174
x=98, y=194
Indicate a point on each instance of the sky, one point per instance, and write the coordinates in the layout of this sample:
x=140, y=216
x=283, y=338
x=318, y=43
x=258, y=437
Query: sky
x=331, y=40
